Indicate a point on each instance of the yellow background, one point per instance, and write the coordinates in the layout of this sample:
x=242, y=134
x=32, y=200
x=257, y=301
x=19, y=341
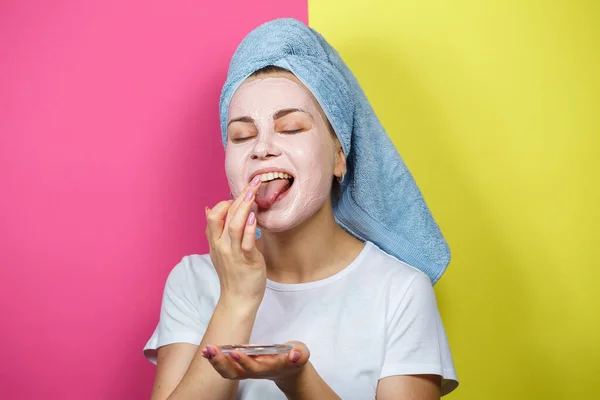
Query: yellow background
x=495, y=108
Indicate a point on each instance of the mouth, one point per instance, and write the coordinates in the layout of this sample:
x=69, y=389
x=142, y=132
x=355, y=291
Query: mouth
x=275, y=186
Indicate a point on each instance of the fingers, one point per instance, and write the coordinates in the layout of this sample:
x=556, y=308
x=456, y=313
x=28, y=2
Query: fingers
x=260, y=367
x=249, y=239
x=234, y=216
x=222, y=363
x=246, y=362
x=238, y=365
x=299, y=355
x=254, y=184
x=237, y=217
x=214, y=220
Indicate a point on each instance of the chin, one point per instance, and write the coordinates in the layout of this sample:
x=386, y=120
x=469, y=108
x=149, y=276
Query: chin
x=281, y=219
x=267, y=224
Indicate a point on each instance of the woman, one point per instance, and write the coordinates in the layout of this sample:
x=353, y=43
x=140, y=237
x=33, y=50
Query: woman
x=308, y=162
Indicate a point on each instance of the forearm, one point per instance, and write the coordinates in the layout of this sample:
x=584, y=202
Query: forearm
x=228, y=325
x=308, y=385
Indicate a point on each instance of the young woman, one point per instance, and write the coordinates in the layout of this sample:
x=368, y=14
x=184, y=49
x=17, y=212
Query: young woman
x=363, y=324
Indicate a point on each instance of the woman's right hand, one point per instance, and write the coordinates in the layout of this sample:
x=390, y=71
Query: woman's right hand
x=231, y=234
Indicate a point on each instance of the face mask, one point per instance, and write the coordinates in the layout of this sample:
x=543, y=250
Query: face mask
x=276, y=130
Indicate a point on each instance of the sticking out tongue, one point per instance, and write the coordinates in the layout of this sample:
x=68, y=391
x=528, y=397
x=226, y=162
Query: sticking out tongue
x=269, y=191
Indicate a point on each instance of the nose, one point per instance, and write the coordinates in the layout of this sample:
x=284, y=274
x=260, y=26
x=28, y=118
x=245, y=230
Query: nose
x=265, y=147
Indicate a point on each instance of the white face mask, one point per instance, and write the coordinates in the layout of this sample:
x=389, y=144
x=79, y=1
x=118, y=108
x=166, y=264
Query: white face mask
x=265, y=135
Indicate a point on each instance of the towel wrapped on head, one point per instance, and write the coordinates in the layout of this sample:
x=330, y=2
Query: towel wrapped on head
x=380, y=201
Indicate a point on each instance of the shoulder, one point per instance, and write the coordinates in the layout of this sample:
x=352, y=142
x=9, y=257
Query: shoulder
x=194, y=274
x=401, y=278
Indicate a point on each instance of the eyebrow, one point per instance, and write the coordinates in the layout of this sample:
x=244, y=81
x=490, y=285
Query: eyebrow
x=278, y=114
x=286, y=111
x=241, y=119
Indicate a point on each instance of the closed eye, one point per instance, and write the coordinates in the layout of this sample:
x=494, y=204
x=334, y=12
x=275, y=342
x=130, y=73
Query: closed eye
x=242, y=139
x=292, y=131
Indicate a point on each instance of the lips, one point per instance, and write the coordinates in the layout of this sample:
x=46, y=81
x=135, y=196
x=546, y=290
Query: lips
x=268, y=174
x=275, y=186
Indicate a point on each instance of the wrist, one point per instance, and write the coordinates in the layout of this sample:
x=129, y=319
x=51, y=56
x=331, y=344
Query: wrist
x=292, y=385
x=237, y=308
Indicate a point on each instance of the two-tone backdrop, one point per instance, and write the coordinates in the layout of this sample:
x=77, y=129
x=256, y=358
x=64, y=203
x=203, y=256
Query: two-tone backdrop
x=109, y=151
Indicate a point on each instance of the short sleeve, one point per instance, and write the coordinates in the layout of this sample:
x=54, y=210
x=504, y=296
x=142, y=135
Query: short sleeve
x=189, y=299
x=416, y=340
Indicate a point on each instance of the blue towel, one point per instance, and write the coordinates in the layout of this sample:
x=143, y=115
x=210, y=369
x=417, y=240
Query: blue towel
x=380, y=201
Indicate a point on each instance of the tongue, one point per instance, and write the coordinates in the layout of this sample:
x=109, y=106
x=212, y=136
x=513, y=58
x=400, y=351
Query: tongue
x=268, y=192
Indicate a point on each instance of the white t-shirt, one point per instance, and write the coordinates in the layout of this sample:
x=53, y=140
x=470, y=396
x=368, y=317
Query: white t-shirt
x=376, y=318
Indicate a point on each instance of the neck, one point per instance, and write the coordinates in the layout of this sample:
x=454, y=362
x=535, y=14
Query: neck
x=313, y=250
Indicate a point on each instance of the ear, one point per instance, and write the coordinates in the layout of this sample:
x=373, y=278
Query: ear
x=340, y=162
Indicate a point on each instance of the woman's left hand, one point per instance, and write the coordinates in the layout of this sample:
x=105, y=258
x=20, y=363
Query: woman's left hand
x=236, y=365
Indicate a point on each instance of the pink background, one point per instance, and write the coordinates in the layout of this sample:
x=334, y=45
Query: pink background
x=109, y=151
